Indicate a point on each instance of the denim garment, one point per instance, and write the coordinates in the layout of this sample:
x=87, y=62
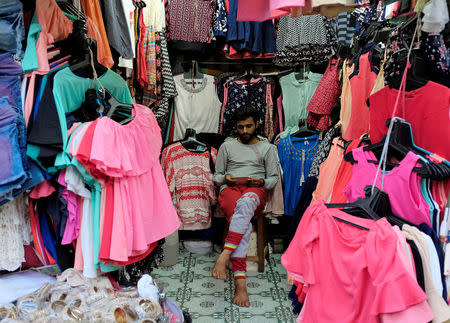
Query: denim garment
x=10, y=73
x=12, y=30
x=12, y=174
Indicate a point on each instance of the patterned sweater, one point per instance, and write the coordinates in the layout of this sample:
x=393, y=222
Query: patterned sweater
x=191, y=185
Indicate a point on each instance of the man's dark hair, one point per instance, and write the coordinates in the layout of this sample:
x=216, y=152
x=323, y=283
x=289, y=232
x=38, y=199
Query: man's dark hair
x=245, y=113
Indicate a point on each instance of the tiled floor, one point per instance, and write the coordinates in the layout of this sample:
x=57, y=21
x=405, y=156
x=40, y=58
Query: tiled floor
x=190, y=285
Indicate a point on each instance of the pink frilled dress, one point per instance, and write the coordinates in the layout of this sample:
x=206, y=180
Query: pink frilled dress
x=138, y=206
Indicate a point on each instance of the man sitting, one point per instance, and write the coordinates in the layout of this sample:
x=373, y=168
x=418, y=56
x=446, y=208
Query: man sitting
x=246, y=167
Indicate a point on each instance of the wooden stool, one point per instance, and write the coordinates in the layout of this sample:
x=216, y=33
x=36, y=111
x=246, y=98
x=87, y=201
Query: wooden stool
x=260, y=243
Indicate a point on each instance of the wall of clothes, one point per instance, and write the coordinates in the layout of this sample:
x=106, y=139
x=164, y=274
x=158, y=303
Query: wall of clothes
x=112, y=113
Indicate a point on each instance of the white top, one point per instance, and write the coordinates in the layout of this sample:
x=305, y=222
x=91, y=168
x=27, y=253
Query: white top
x=155, y=14
x=15, y=231
x=435, y=16
x=196, y=107
x=435, y=265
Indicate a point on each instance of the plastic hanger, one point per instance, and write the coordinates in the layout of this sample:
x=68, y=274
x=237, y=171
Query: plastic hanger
x=71, y=9
x=121, y=112
x=191, y=143
x=401, y=143
x=304, y=130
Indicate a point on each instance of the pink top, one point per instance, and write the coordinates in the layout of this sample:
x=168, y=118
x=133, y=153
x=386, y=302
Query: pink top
x=353, y=275
x=401, y=184
x=127, y=156
x=361, y=86
x=73, y=223
x=260, y=10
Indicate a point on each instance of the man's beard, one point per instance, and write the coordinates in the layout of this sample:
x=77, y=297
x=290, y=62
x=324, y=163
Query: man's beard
x=245, y=139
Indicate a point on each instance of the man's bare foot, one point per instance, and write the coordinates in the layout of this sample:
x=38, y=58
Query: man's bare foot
x=240, y=293
x=220, y=268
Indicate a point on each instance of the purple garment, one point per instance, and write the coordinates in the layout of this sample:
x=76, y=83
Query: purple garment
x=10, y=73
x=73, y=223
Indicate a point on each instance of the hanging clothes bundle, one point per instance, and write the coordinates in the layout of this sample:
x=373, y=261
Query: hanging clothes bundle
x=110, y=204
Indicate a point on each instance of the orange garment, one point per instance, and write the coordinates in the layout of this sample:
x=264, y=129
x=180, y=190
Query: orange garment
x=346, y=96
x=343, y=176
x=92, y=10
x=361, y=85
x=55, y=27
x=329, y=170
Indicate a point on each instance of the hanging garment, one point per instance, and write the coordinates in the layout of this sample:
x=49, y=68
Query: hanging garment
x=191, y=20
x=93, y=11
x=363, y=269
x=12, y=30
x=239, y=94
x=196, y=107
x=10, y=72
x=302, y=39
x=343, y=176
x=297, y=93
x=346, y=96
x=426, y=109
x=296, y=157
x=437, y=304
x=361, y=81
x=138, y=206
x=116, y=25
x=189, y=177
x=14, y=233
x=220, y=20
x=329, y=170
x=254, y=37
x=345, y=31
x=325, y=97
x=260, y=10
x=12, y=174
x=401, y=184
x=69, y=93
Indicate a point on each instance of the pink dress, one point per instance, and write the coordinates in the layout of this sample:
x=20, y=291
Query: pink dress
x=401, y=184
x=260, y=10
x=352, y=275
x=138, y=206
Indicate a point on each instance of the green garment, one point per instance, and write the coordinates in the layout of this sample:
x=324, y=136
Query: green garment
x=296, y=97
x=69, y=92
x=30, y=61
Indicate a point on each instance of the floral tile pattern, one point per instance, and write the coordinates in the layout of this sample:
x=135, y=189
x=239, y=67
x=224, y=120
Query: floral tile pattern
x=208, y=300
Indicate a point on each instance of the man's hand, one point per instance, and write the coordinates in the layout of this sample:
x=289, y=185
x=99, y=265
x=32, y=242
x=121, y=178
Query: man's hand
x=229, y=180
x=255, y=182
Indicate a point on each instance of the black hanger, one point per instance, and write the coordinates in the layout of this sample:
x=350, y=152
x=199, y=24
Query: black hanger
x=139, y=4
x=78, y=44
x=191, y=143
x=400, y=144
x=118, y=111
x=416, y=76
x=71, y=9
x=304, y=130
x=193, y=74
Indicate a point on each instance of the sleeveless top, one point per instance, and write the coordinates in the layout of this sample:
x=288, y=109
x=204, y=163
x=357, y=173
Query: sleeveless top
x=401, y=184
